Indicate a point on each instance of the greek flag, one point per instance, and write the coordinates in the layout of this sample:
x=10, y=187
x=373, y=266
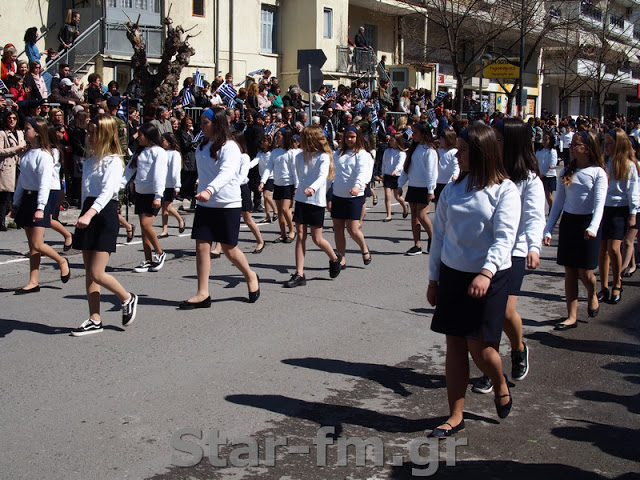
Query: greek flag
x=198, y=79
x=361, y=104
x=256, y=72
x=187, y=98
x=366, y=93
x=432, y=116
x=198, y=137
x=408, y=132
x=331, y=93
x=269, y=129
x=3, y=87
x=263, y=110
x=228, y=92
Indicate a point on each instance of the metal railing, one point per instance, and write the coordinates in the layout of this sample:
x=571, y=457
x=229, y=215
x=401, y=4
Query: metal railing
x=84, y=49
x=616, y=21
x=590, y=10
x=355, y=60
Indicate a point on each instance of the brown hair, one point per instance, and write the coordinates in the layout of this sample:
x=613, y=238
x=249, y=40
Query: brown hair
x=622, y=156
x=595, y=156
x=485, y=166
x=312, y=140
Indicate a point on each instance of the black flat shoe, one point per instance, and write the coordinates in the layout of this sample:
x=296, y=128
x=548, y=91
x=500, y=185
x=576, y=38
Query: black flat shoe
x=259, y=250
x=593, y=313
x=131, y=233
x=615, y=297
x=366, y=261
x=627, y=274
x=386, y=219
x=65, y=278
x=444, y=433
x=603, y=295
x=183, y=227
x=405, y=214
x=565, y=326
x=25, y=291
x=254, y=296
x=186, y=305
x=343, y=266
x=215, y=255
x=66, y=248
x=280, y=240
x=503, y=410
x=163, y=235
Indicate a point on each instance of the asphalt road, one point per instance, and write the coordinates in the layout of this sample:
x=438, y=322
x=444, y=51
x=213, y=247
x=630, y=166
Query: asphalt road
x=354, y=354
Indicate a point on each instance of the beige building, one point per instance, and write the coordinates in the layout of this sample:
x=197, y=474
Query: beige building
x=238, y=36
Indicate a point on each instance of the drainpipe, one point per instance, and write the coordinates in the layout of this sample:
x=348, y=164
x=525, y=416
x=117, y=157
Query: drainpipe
x=231, y=36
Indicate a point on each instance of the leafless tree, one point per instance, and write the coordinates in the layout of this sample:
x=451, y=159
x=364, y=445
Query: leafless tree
x=175, y=56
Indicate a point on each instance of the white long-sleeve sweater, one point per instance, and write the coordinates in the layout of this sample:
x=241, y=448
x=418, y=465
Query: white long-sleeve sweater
x=448, y=168
x=352, y=170
x=531, y=228
x=393, y=161
x=624, y=192
x=36, y=171
x=475, y=230
x=151, y=171
x=101, y=179
x=423, y=169
x=585, y=196
x=174, y=165
x=281, y=164
x=220, y=177
x=312, y=174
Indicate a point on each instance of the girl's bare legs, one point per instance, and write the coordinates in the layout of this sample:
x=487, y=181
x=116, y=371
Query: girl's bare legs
x=588, y=279
x=59, y=228
x=37, y=248
x=235, y=255
x=512, y=324
x=124, y=223
x=628, y=251
x=217, y=249
x=248, y=221
x=149, y=237
x=301, y=247
x=340, y=239
x=457, y=378
x=419, y=219
x=95, y=265
x=167, y=209
x=549, y=197
x=613, y=247
x=269, y=204
x=282, y=222
x=203, y=268
x=387, y=201
x=400, y=199
x=603, y=265
x=356, y=235
x=288, y=217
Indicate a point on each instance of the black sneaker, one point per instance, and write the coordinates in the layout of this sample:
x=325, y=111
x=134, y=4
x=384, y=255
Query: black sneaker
x=144, y=267
x=129, y=309
x=484, y=385
x=414, y=251
x=520, y=363
x=158, y=262
x=296, y=281
x=87, y=328
x=334, y=267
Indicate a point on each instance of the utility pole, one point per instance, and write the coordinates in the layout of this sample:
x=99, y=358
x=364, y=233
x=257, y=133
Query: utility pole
x=519, y=100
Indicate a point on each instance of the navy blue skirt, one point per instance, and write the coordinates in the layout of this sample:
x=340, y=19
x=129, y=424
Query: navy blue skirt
x=283, y=192
x=29, y=205
x=614, y=223
x=245, y=192
x=549, y=183
x=417, y=195
x=346, y=208
x=516, y=274
x=573, y=250
x=390, y=181
x=102, y=233
x=216, y=225
x=269, y=185
x=169, y=195
x=460, y=315
x=307, y=214
x=144, y=204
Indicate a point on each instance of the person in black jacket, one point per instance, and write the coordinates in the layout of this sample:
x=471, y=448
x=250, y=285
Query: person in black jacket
x=94, y=91
x=68, y=34
x=253, y=136
x=189, y=172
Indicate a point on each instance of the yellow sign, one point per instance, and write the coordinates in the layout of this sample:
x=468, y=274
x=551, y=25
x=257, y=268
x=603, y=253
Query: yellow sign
x=501, y=68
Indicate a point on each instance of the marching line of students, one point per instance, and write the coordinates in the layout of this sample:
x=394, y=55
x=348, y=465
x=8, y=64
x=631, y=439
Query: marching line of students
x=488, y=228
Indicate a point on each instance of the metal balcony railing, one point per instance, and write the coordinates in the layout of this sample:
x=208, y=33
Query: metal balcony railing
x=84, y=50
x=590, y=10
x=355, y=60
x=617, y=22
x=636, y=35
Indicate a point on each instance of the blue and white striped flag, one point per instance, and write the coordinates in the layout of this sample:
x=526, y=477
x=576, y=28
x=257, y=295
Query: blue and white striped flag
x=228, y=92
x=198, y=137
x=3, y=87
x=198, y=82
x=263, y=110
x=366, y=93
x=408, y=132
x=432, y=116
x=256, y=72
x=187, y=98
x=331, y=93
x=361, y=104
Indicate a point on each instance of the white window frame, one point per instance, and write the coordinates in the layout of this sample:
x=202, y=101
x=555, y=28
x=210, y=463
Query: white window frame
x=327, y=16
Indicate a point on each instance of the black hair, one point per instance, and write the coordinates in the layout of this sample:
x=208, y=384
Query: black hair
x=221, y=133
x=31, y=35
x=518, y=157
x=425, y=130
x=238, y=136
x=150, y=131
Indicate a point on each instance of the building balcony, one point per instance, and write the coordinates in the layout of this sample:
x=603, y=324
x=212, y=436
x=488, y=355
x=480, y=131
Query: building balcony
x=355, y=60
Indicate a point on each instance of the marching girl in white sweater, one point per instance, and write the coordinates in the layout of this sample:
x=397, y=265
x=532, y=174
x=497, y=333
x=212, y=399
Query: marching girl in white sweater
x=31, y=207
x=247, y=164
x=448, y=169
x=520, y=164
x=172, y=185
x=421, y=171
x=620, y=208
x=263, y=158
x=475, y=230
x=392, y=164
x=582, y=192
x=97, y=227
x=218, y=210
x=56, y=195
x=313, y=167
x=547, y=160
x=353, y=169
x=149, y=164
x=281, y=165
